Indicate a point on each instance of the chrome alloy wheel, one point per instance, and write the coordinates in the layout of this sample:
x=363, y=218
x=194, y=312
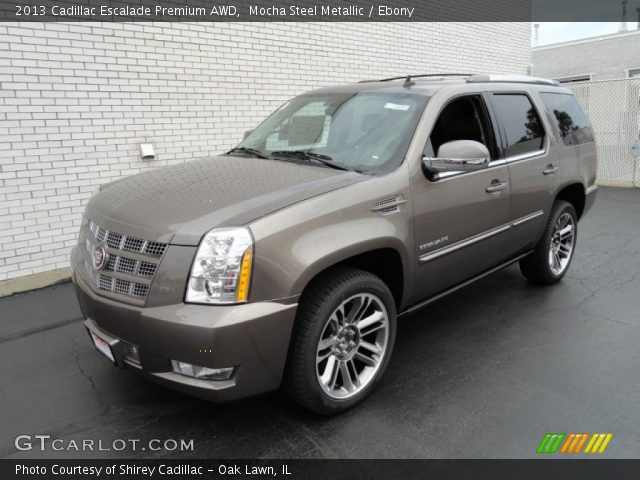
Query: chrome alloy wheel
x=352, y=345
x=562, y=242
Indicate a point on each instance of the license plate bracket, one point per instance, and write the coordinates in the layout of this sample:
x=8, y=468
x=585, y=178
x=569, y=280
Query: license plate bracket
x=103, y=347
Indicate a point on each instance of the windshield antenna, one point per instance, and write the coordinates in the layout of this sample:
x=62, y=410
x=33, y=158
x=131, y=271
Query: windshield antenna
x=408, y=82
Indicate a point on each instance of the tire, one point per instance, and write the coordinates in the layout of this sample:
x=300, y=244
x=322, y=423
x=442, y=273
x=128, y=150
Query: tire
x=325, y=315
x=540, y=267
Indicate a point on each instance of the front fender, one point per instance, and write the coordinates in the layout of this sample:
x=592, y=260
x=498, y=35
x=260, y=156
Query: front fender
x=287, y=261
x=324, y=249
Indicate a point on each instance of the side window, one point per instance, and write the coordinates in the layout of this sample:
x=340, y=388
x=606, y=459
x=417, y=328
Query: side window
x=567, y=115
x=464, y=118
x=520, y=123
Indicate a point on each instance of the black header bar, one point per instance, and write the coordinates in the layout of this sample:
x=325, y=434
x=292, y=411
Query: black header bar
x=539, y=469
x=314, y=10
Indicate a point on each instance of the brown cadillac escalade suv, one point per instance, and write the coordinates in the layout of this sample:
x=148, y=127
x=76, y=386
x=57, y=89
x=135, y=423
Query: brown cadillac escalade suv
x=287, y=260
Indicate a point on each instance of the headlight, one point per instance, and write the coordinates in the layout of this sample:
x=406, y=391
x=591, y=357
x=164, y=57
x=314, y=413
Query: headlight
x=221, y=271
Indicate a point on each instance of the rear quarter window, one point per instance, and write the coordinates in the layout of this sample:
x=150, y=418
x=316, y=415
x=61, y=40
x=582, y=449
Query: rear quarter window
x=566, y=113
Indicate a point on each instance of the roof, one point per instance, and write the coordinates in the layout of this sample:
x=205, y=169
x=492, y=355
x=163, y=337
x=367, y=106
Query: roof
x=428, y=84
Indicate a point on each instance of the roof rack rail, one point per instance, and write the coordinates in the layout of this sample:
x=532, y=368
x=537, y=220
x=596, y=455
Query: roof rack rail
x=483, y=78
x=424, y=75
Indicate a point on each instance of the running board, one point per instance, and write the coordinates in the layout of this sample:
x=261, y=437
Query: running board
x=444, y=293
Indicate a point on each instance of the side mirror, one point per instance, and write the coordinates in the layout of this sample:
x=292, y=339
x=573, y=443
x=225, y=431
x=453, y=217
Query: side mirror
x=458, y=156
x=246, y=134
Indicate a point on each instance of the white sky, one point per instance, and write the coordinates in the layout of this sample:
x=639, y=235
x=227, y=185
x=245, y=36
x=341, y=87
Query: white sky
x=554, y=32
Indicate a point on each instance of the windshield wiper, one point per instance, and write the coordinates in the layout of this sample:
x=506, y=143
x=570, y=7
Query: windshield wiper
x=254, y=152
x=325, y=160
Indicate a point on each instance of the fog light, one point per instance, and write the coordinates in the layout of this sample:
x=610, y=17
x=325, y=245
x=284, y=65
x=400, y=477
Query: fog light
x=133, y=353
x=203, y=373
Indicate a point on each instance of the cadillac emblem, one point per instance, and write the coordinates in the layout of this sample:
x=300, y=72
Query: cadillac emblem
x=100, y=257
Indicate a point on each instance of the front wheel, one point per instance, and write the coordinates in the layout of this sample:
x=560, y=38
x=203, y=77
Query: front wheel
x=342, y=340
x=551, y=259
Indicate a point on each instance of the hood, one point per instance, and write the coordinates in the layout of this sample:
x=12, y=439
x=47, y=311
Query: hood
x=180, y=203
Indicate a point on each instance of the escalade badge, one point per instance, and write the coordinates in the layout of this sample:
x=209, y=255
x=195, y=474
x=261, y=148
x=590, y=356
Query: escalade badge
x=99, y=257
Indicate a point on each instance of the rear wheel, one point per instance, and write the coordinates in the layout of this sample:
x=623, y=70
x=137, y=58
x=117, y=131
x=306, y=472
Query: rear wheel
x=551, y=259
x=342, y=340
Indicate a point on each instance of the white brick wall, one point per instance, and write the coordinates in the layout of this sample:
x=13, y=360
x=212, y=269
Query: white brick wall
x=78, y=98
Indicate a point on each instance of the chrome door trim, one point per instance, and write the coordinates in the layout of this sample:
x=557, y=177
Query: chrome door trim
x=528, y=155
x=526, y=218
x=492, y=164
x=499, y=162
x=525, y=156
x=427, y=257
x=463, y=243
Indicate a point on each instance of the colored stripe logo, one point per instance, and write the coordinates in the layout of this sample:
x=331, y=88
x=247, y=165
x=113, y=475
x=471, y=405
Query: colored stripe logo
x=550, y=443
x=598, y=443
x=555, y=442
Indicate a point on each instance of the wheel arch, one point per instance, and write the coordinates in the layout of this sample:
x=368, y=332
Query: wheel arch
x=574, y=193
x=383, y=260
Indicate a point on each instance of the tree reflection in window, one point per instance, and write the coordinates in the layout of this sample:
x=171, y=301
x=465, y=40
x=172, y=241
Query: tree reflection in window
x=521, y=126
x=533, y=126
x=571, y=121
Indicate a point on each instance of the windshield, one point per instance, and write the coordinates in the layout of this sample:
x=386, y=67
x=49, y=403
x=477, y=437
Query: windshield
x=367, y=132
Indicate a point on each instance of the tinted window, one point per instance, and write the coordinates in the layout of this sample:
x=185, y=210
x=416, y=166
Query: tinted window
x=569, y=118
x=520, y=123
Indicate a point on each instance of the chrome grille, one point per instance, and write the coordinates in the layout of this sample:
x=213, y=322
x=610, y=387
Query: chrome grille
x=121, y=286
x=129, y=244
x=121, y=262
x=146, y=269
x=154, y=248
x=116, y=285
x=113, y=240
x=133, y=245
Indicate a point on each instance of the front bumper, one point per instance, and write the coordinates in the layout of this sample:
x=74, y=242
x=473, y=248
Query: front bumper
x=253, y=338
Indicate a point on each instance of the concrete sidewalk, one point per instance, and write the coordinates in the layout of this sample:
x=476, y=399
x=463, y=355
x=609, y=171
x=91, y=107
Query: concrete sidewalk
x=483, y=373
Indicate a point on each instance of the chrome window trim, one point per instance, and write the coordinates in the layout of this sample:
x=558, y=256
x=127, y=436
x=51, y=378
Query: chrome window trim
x=466, y=242
x=525, y=156
x=529, y=155
x=493, y=163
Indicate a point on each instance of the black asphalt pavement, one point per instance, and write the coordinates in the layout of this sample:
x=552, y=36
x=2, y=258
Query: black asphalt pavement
x=485, y=372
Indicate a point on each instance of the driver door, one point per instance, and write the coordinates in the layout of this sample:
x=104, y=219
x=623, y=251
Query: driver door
x=460, y=218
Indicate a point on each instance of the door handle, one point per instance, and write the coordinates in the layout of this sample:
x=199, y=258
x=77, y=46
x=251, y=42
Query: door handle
x=550, y=169
x=496, y=186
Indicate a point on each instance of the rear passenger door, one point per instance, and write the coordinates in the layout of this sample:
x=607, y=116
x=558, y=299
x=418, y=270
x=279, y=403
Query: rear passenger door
x=525, y=147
